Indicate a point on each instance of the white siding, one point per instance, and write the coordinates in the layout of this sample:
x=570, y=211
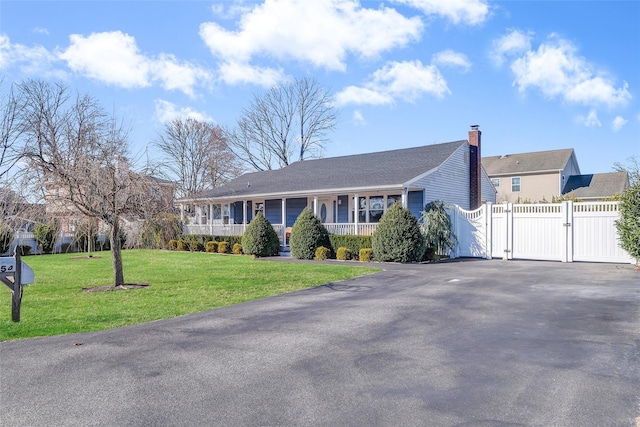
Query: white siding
x=450, y=181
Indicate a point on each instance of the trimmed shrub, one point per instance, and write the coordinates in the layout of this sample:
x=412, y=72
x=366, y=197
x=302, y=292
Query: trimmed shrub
x=237, y=249
x=260, y=239
x=322, y=253
x=629, y=223
x=366, y=255
x=204, y=238
x=398, y=237
x=351, y=242
x=211, y=247
x=195, y=246
x=6, y=238
x=343, y=254
x=172, y=245
x=182, y=245
x=46, y=235
x=307, y=234
x=223, y=248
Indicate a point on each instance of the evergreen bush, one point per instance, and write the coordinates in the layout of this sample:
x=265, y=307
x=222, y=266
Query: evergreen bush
x=46, y=235
x=366, y=255
x=172, y=245
x=629, y=223
x=322, y=253
x=307, y=234
x=260, y=239
x=398, y=237
x=237, y=249
x=211, y=247
x=223, y=248
x=6, y=238
x=182, y=245
x=343, y=254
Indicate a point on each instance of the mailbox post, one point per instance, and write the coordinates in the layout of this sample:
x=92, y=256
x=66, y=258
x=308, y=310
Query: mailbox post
x=15, y=274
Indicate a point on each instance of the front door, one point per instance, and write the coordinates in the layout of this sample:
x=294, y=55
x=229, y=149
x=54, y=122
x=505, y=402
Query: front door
x=325, y=210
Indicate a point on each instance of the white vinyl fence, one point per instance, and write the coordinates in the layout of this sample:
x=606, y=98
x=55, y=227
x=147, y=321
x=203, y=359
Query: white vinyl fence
x=564, y=232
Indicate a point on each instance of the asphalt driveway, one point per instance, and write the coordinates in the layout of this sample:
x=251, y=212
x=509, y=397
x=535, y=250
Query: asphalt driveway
x=477, y=343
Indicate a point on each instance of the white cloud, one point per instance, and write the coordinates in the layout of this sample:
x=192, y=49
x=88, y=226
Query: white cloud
x=513, y=43
x=319, y=32
x=114, y=58
x=240, y=73
x=618, y=123
x=558, y=72
x=450, y=58
x=591, y=120
x=167, y=111
x=470, y=12
x=407, y=81
x=41, y=30
x=32, y=61
x=358, y=118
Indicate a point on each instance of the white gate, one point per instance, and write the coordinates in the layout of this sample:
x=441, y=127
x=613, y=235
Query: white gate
x=564, y=232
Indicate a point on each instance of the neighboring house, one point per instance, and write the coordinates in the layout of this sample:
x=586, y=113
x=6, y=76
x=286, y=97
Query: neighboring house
x=544, y=175
x=349, y=194
x=160, y=199
x=596, y=187
x=531, y=177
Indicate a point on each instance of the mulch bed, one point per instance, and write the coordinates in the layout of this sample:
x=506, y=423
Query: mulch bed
x=124, y=287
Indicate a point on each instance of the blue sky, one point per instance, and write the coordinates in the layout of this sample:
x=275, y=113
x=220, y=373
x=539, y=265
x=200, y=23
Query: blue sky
x=535, y=75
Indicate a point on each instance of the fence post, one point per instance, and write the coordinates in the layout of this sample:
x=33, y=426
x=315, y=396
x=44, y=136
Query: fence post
x=508, y=252
x=567, y=207
x=488, y=229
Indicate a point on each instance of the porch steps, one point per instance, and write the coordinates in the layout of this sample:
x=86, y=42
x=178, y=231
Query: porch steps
x=285, y=251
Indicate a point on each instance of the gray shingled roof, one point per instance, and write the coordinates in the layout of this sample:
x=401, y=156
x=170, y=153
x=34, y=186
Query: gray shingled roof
x=381, y=169
x=553, y=160
x=598, y=185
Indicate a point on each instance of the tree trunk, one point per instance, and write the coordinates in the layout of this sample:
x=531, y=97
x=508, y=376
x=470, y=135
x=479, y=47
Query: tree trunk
x=116, y=254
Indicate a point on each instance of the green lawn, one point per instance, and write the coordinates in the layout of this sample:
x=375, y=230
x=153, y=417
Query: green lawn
x=180, y=283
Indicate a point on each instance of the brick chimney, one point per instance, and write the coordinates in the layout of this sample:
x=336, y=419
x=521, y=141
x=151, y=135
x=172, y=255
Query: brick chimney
x=475, y=168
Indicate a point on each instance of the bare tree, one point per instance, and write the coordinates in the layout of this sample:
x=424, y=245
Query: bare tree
x=196, y=155
x=10, y=147
x=632, y=168
x=80, y=153
x=288, y=123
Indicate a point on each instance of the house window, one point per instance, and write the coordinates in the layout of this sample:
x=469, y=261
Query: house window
x=392, y=199
x=515, y=184
x=216, y=212
x=226, y=213
x=362, y=209
x=495, y=182
x=376, y=208
x=259, y=208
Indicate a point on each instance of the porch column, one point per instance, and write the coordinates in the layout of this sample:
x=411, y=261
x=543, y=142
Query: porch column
x=366, y=212
x=315, y=205
x=405, y=198
x=284, y=222
x=244, y=215
x=181, y=212
x=356, y=205
x=211, y=219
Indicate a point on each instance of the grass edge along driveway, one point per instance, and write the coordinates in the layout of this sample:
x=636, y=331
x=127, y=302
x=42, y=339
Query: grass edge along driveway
x=180, y=283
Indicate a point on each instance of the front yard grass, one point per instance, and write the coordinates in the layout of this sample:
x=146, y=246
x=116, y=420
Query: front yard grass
x=180, y=283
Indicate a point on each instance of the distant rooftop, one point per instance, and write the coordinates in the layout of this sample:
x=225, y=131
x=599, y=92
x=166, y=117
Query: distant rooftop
x=553, y=160
x=597, y=186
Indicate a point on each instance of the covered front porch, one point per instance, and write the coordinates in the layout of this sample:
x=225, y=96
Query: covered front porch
x=343, y=214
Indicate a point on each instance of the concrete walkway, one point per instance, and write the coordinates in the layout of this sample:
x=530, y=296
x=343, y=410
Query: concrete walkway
x=473, y=343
